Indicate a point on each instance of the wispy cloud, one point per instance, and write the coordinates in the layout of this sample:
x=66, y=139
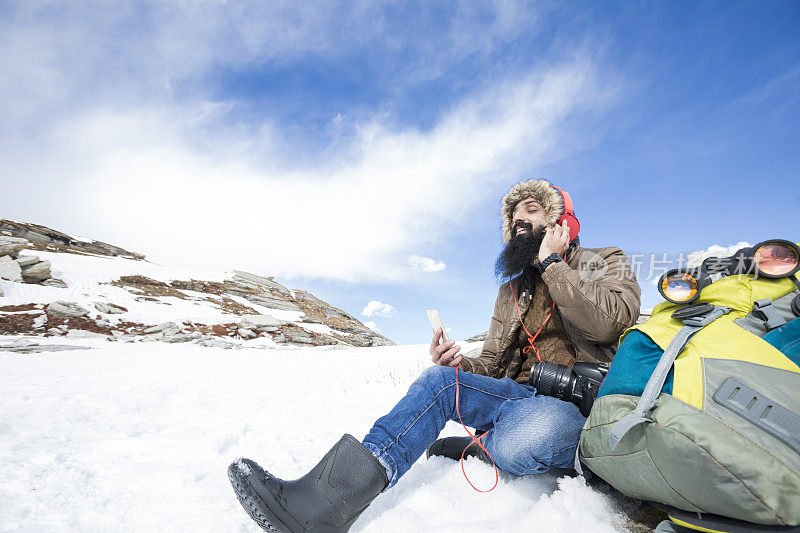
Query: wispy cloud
x=425, y=264
x=694, y=259
x=378, y=308
x=94, y=123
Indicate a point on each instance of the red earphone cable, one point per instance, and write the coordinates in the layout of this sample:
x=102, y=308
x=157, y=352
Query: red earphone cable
x=531, y=338
x=476, y=440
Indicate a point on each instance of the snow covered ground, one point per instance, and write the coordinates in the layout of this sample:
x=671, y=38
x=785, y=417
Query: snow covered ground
x=137, y=437
x=87, y=278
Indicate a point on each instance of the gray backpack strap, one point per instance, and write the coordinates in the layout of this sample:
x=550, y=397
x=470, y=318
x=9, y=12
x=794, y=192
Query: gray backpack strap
x=765, y=310
x=656, y=382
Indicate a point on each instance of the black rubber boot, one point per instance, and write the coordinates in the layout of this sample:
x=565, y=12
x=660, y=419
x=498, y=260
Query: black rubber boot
x=452, y=447
x=328, y=499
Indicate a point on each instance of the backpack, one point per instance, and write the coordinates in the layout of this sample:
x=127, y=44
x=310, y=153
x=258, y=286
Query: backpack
x=700, y=409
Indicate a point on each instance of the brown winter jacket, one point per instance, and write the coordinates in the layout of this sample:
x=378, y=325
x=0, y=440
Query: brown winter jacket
x=596, y=296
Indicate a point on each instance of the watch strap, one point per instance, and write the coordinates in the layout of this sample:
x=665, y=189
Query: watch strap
x=552, y=258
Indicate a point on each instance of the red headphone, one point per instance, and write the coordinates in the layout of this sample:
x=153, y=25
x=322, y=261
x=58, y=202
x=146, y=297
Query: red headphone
x=569, y=215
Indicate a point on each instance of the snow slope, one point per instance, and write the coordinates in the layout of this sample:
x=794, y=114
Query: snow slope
x=87, y=278
x=137, y=437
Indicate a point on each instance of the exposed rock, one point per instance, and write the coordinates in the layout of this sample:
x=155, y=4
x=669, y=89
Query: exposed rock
x=368, y=339
x=26, y=260
x=40, y=321
x=304, y=296
x=246, y=333
x=260, y=322
x=272, y=303
x=214, y=342
x=36, y=272
x=123, y=337
x=475, y=352
x=109, y=308
x=479, y=337
x=35, y=236
x=159, y=328
x=9, y=269
x=233, y=297
x=66, y=310
x=247, y=279
x=332, y=312
x=33, y=347
x=84, y=334
x=11, y=245
x=44, y=238
x=177, y=337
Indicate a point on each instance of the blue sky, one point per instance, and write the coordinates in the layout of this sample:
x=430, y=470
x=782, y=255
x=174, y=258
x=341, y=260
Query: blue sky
x=329, y=144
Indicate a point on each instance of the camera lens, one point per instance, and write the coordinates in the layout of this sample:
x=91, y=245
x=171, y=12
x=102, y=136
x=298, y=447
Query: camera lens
x=552, y=379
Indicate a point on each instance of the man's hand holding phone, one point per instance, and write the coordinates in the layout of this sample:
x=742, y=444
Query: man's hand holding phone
x=442, y=353
x=445, y=353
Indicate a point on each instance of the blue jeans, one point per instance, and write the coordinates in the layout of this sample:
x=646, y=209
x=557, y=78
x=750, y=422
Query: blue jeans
x=527, y=434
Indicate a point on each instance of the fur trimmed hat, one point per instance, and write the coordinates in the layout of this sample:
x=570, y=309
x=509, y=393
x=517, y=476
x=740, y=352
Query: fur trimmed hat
x=540, y=190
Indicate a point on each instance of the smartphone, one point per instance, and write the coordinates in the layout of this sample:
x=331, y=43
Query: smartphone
x=436, y=323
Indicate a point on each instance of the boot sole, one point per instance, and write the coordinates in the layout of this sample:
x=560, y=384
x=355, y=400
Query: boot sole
x=255, y=507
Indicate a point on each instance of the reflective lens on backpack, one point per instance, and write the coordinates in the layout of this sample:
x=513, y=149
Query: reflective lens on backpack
x=678, y=287
x=776, y=258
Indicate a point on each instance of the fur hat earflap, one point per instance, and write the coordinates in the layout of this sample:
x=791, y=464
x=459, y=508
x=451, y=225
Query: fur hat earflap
x=540, y=190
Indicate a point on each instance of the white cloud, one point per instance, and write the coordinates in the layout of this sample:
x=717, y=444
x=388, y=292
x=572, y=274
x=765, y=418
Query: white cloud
x=184, y=184
x=371, y=325
x=657, y=268
x=425, y=264
x=378, y=308
x=694, y=259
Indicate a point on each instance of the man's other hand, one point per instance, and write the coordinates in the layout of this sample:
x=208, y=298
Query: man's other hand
x=556, y=240
x=444, y=354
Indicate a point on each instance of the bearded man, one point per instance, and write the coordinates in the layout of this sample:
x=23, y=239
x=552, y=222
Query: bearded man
x=577, y=300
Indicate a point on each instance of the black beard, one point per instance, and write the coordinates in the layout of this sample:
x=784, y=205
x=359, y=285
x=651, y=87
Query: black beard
x=520, y=251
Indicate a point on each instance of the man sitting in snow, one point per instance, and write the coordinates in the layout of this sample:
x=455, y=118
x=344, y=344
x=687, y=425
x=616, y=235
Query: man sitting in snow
x=568, y=304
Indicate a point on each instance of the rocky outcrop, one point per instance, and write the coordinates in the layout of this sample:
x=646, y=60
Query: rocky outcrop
x=66, y=310
x=249, y=299
x=23, y=268
x=47, y=239
x=479, y=337
x=109, y=309
x=12, y=245
x=36, y=271
x=10, y=269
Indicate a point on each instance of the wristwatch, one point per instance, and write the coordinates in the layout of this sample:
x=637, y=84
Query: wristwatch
x=552, y=258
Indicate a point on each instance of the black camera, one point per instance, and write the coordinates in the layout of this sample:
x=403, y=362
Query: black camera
x=578, y=384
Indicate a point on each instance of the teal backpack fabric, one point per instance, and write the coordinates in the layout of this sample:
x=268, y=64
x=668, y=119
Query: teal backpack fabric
x=633, y=365
x=787, y=339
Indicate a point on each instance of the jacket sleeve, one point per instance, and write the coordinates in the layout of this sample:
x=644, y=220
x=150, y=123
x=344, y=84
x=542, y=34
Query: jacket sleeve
x=601, y=308
x=484, y=363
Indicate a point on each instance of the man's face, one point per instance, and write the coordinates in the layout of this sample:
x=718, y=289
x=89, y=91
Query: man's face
x=527, y=211
x=527, y=233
